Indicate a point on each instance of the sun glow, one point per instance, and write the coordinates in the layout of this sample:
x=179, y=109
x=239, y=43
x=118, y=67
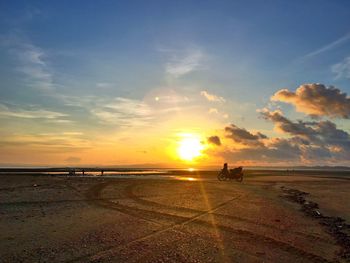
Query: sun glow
x=190, y=147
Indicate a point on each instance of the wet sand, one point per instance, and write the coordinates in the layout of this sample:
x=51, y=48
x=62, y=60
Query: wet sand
x=176, y=219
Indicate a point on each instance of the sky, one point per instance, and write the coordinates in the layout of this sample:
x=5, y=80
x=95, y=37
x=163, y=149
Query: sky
x=174, y=83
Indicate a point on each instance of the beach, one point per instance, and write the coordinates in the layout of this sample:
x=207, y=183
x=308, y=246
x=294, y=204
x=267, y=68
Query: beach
x=191, y=217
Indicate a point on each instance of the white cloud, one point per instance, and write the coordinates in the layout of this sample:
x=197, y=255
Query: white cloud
x=115, y=111
x=30, y=114
x=328, y=47
x=212, y=97
x=342, y=69
x=33, y=55
x=182, y=63
x=213, y=110
x=104, y=85
x=32, y=63
x=58, y=121
x=31, y=60
x=123, y=112
x=48, y=142
x=73, y=133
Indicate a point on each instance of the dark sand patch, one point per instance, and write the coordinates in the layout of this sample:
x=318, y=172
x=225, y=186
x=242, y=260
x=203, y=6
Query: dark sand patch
x=336, y=226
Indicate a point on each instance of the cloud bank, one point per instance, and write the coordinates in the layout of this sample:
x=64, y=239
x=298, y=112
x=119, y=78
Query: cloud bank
x=313, y=142
x=316, y=100
x=240, y=135
x=301, y=142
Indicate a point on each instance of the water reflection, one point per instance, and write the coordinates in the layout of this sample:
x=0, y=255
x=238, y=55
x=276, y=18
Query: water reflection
x=184, y=178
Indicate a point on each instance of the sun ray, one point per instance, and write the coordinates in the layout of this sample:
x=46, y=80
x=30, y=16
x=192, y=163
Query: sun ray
x=212, y=221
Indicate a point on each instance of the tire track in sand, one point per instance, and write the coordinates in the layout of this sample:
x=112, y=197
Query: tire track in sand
x=179, y=221
x=129, y=191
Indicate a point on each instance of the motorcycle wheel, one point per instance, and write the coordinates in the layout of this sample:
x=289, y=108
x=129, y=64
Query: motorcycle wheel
x=240, y=178
x=221, y=176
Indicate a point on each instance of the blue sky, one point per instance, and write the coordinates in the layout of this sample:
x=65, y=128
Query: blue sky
x=64, y=60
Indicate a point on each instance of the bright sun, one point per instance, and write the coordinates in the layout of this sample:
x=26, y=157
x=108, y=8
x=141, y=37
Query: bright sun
x=189, y=148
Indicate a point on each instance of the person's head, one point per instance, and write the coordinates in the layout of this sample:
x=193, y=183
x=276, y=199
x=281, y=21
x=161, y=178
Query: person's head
x=225, y=165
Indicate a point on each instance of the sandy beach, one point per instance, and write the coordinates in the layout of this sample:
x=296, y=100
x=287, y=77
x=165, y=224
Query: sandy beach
x=176, y=219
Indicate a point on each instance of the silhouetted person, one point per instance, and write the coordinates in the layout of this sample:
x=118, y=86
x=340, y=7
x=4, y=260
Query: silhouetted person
x=225, y=169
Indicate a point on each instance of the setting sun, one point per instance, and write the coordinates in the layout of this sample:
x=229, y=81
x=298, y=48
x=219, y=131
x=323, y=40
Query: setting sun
x=189, y=148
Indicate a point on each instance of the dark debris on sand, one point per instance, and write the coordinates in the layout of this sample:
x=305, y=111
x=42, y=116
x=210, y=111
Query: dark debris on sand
x=334, y=225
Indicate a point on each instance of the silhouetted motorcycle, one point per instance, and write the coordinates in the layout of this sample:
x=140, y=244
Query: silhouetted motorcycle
x=236, y=173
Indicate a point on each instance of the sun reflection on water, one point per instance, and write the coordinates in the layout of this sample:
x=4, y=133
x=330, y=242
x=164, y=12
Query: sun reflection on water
x=184, y=178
